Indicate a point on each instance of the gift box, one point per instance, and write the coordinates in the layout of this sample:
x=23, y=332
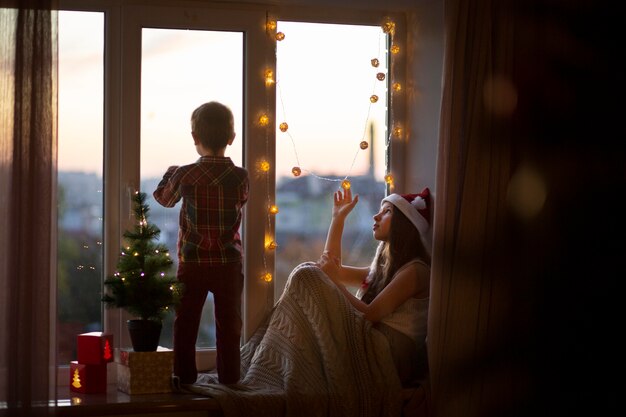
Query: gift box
x=88, y=379
x=145, y=372
x=95, y=348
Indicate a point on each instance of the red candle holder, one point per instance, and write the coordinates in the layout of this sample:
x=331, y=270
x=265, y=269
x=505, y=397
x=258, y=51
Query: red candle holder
x=95, y=348
x=88, y=379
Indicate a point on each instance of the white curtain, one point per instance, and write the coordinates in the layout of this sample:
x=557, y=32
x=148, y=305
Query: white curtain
x=28, y=138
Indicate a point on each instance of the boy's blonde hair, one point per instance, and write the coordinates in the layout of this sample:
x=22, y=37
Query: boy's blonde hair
x=213, y=124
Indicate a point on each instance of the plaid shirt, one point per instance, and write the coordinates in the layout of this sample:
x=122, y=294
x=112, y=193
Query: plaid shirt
x=214, y=192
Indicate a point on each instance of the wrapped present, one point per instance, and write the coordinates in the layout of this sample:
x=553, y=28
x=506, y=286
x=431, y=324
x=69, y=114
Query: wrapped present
x=88, y=379
x=144, y=372
x=95, y=348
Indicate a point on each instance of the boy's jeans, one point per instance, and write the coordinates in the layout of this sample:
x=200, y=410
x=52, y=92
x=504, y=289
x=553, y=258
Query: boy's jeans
x=226, y=283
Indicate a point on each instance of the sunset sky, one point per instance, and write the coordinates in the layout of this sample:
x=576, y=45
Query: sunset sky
x=324, y=79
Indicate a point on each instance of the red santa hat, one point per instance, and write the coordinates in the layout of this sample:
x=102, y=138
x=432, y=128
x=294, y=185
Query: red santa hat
x=416, y=207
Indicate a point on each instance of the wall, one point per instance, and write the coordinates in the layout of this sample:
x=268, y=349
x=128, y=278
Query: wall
x=424, y=79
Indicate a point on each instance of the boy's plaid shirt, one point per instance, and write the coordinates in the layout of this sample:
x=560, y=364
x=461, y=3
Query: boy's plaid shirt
x=214, y=192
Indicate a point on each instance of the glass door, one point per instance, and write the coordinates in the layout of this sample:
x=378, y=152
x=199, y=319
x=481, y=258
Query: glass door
x=180, y=70
x=172, y=61
x=79, y=181
x=332, y=96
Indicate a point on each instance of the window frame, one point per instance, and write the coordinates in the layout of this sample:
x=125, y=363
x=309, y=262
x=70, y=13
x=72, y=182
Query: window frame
x=128, y=145
x=122, y=98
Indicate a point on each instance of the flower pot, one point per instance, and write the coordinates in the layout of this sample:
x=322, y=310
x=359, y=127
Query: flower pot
x=144, y=334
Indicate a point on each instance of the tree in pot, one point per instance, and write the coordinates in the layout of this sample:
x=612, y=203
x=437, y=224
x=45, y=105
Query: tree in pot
x=141, y=285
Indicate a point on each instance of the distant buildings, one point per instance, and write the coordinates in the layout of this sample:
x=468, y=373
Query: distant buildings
x=80, y=203
x=305, y=205
x=306, y=202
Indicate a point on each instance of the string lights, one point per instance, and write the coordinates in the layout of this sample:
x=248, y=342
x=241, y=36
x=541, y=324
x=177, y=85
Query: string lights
x=388, y=28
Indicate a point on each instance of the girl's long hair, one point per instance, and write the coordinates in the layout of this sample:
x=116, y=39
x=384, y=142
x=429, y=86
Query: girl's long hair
x=404, y=244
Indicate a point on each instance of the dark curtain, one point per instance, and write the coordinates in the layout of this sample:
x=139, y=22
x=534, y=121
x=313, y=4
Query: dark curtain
x=28, y=138
x=525, y=299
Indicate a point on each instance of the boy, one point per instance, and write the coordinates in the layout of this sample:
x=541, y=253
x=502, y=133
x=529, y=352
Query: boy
x=214, y=192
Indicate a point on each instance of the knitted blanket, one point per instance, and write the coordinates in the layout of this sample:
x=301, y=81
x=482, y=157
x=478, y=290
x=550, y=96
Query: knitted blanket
x=314, y=356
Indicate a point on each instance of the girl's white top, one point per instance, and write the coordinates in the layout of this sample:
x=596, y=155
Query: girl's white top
x=411, y=318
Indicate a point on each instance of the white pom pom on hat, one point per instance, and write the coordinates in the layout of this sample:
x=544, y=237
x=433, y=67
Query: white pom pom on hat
x=416, y=208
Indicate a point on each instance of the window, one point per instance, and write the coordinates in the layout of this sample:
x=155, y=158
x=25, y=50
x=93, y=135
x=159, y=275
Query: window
x=186, y=67
x=80, y=161
x=129, y=121
x=165, y=72
x=325, y=84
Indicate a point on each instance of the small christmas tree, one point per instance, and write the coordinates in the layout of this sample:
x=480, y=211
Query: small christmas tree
x=141, y=284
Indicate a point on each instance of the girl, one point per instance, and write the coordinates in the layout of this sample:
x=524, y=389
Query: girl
x=394, y=290
x=325, y=352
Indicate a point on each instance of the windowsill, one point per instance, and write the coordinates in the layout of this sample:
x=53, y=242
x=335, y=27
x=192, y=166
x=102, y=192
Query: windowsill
x=115, y=402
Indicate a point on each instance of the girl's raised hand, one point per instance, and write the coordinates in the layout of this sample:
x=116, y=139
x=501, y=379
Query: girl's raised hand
x=343, y=203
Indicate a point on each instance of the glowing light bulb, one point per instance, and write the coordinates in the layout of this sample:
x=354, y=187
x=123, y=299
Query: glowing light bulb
x=264, y=120
x=296, y=171
x=389, y=179
x=389, y=27
x=397, y=131
x=345, y=184
x=264, y=166
x=272, y=245
x=396, y=86
x=394, y=49
x=273, y=209
x=380, y=76
x=280, y=36
x=267, y=277
x=283, y=127
x=271, y=25
x=364, y=145
x=373, y=98
x=375, y=62
x=269, y=77
x=136, y=254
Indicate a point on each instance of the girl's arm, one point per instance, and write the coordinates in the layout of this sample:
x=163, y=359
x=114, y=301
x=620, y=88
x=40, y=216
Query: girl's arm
x=340, y=274
x=343, y=203
x=411, y=281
